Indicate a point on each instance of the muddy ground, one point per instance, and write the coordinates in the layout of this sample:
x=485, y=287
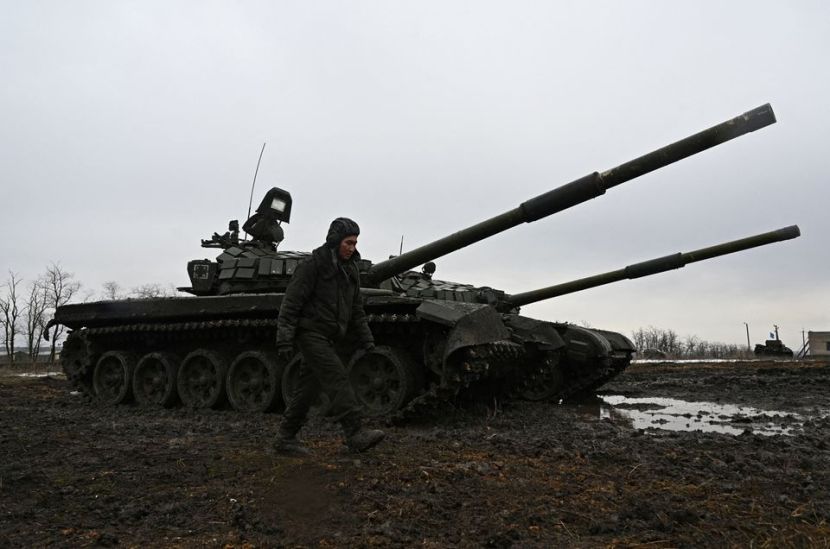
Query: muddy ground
x=520, y=474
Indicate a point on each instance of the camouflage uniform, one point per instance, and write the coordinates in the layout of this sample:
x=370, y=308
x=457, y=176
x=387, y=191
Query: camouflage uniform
x=321, y=308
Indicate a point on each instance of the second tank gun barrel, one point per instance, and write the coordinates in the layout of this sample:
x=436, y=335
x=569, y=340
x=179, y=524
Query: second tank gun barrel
x=576, y=192
x=654, y=266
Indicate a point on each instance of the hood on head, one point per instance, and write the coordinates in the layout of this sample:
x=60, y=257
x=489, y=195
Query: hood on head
x=339, y=229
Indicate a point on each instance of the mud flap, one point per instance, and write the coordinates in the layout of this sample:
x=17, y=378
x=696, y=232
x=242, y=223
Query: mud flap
x=585, y=345
x=470, y=323
x=619, y=343
x=593, y=357
x=542, y=335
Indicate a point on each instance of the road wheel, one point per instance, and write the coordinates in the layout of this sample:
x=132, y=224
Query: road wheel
x=201, y=379
x=383, y=379
x=545, y=381
x=154, y=379
x=253, y=382
x=112, y=377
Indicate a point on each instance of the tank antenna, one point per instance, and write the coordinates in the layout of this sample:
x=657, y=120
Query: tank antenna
x=251, y=200
x=400, y=250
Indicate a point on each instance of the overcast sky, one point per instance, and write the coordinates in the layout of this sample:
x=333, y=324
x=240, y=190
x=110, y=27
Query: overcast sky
x=130, y=130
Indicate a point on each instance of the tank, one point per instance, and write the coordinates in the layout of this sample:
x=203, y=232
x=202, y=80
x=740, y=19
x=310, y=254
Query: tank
x=773, y=348
x=436, y=340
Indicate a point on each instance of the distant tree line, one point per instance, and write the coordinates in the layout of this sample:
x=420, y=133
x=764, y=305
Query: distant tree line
x=651, y=339
x=26, y=308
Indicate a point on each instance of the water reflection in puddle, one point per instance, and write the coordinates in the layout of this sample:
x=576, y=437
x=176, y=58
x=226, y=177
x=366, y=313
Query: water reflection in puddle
x=679, y=415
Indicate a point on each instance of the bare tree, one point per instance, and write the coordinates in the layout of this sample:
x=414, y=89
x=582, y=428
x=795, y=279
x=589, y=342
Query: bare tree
x=112, y=290
x=60, y=289
x=37, y=303
x=639, y=338
x=668, y=342
x=152, y=290
x=690, y=346
x=87, y=296
x=654, y=336
x=10, y=314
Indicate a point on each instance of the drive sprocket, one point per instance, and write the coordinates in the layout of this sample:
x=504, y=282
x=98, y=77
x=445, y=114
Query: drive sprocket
x=77, y=360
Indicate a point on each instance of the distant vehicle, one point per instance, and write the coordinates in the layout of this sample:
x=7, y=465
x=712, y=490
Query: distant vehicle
x=773, y=348
x=653, y=354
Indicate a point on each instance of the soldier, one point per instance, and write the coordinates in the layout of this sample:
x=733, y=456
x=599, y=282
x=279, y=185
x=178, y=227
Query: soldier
x=322, y=305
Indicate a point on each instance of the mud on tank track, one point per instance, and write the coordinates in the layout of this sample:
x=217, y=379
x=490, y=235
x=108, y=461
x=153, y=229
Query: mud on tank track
x=529, y=474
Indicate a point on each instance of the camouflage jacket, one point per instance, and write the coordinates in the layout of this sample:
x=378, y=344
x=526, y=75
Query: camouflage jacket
x=323, y=296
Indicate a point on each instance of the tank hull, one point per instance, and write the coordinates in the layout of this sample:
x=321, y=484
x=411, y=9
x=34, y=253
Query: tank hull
x=208, y=351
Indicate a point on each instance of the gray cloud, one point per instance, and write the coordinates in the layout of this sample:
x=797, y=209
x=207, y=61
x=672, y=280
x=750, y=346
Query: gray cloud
x=131, y=130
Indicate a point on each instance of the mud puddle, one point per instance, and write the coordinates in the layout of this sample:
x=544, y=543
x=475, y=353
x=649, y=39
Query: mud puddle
x=57, y=375
x=672, y=414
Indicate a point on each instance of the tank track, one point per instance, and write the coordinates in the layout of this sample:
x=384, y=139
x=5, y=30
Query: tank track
x=82, y=346
x=474, y=364
x=79, y=352
x=183, y=326
x=579, y=382
x=599, y=378
x=479, y=361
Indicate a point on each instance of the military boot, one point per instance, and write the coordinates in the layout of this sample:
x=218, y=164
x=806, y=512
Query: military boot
x=364, y=439
x=287, y=444
x=359, y=439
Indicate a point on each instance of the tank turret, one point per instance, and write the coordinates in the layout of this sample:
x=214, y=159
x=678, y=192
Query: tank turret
x=248, y=266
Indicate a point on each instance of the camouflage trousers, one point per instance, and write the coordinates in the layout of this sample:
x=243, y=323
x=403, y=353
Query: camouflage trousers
x=322, y=371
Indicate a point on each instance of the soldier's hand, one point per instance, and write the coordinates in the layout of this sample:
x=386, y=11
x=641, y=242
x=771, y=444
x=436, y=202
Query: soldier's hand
x=285, y=353
x=369, y=347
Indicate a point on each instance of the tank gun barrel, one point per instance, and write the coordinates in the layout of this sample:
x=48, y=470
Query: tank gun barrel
x=654, y=266
x=576, y=192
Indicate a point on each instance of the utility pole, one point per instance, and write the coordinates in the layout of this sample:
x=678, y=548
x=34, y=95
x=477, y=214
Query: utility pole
x=748, y=344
